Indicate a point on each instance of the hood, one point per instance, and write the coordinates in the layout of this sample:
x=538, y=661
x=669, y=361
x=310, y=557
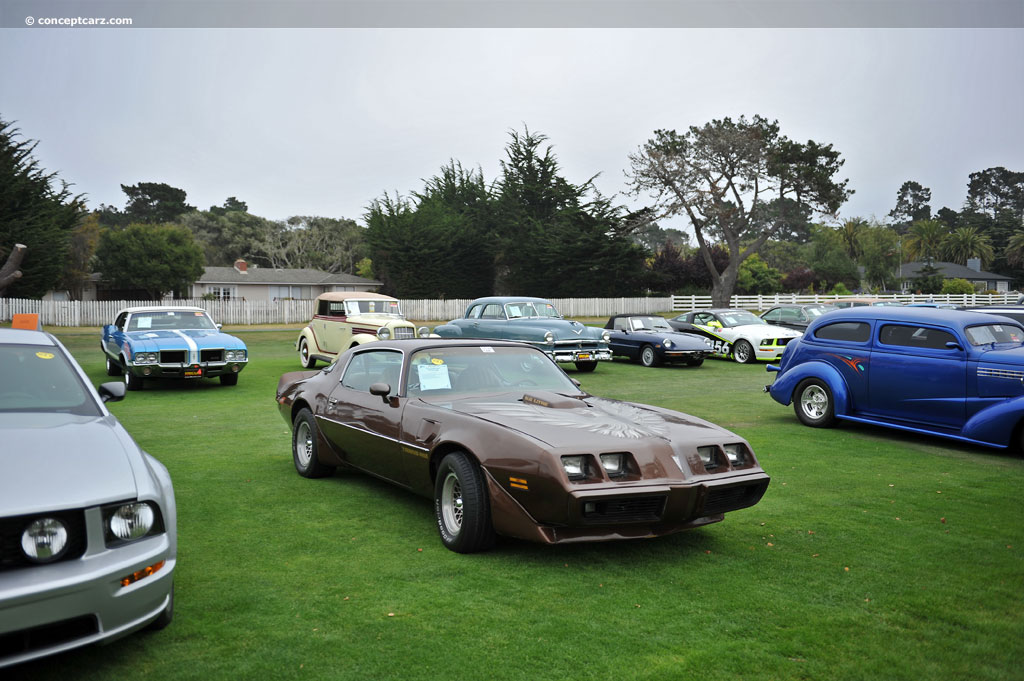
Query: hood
x=533, y=328
x=567, y=421
x=58, y=461
x=169, y=338
x=765, y=331
x=1004, y=353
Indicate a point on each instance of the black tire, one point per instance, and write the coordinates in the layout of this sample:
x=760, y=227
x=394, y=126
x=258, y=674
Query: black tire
x=648, y=357
x=461, y=506
x=305, y=450
x=229, y=379
x=165, y=617
x=304, y=357
x=694, y=362
x=586, y=367
x=813, y=403
x=131, y=381
x=113, y=369
x=743, y=352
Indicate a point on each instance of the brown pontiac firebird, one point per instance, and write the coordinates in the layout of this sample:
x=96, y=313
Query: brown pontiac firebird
x=507, y=443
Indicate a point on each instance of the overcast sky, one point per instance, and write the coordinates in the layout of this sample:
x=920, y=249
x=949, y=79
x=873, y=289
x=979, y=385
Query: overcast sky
x=322, y=121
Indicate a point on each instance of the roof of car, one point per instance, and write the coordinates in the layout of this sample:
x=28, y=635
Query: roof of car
x=953, y=318
x=338, y=296
x=162, y=308
x=801, y=305
x=510, y=299
x=633, y=314
x=414, y=344
x=25, y=337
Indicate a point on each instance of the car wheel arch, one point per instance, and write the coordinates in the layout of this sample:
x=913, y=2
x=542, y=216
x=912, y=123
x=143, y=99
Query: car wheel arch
x=822, y=371
x=442, y=450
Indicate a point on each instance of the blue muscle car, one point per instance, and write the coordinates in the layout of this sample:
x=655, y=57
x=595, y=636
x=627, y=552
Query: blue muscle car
x=950, y=373
x=650, y=339
x=534, y=321
x=170, y=342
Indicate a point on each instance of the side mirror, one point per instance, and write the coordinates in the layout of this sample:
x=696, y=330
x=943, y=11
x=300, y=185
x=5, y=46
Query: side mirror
x=112, y=392
x=953, y=345
x=381, y=390
x=575, y=382
x=219, y=326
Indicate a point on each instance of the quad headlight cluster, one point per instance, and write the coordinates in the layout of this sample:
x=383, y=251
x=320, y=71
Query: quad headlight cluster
x=235, y=355
x=146, y=358
x=577, y=466
x=710, y=456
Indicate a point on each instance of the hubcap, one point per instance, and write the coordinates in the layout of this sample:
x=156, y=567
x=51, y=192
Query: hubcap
x=814, y=402
x=648, y=356
x=451, y=503
x=304, y=351
x=304, y=444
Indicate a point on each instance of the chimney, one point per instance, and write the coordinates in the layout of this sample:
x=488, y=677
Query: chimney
x=974, y=264
x=240, y=266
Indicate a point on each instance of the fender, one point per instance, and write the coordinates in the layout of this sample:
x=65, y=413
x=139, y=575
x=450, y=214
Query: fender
x=360, y=338
x=448, y=331
x=307, y=333
x=996, y=424
x=786, y=382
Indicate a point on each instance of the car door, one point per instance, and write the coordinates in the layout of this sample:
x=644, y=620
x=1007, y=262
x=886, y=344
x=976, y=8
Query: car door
x=365, y=428
x=623, y=340
x=490, y=323
x=115, y=336
x=916, y=376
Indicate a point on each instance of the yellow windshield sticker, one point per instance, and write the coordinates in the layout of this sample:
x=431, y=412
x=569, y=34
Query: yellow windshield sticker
x=44, y=355
x=437, y=360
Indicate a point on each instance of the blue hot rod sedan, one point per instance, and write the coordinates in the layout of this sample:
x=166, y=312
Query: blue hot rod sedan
x=170, y=342
x=650, y=339
x=950, y=373
x=534, y=321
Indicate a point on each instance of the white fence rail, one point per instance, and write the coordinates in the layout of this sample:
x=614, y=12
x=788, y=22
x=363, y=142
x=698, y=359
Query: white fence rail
x=250, y=312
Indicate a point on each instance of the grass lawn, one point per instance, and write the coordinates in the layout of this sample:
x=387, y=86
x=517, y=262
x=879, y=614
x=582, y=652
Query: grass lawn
x=873, y=555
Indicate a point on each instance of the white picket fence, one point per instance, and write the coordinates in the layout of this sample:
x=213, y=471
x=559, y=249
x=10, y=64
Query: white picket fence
x=254, y=312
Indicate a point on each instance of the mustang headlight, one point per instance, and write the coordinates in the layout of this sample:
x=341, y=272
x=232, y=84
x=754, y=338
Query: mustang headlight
x=549, y=337
x=44, y=540
x=709, y=457
x=423, y=332
x=383, y=333
x=614, y=464
x=130, y=521
x=575, y=466
x=737, y=454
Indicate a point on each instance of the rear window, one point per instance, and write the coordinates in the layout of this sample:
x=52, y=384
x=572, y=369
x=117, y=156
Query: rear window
x=854, y=332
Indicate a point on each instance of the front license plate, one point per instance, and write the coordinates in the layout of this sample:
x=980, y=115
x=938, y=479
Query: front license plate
x=583, y=355
x=193, y=373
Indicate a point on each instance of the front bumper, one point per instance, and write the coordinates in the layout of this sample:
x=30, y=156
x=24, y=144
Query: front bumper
x=769, y=353
x=566, y=355
x=52, y=608
x=200, y=370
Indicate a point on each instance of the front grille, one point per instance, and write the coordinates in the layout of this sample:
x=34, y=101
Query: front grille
x=404, y=332
x=211, y=355
x=47, y=636
x=172, y=356
x=720, y=500
x=624, y=510
x=577, y=344
x=11, y=529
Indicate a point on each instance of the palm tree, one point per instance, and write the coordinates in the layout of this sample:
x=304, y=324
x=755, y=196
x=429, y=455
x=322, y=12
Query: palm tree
x=924, y=240
x=851, y=234
x=966, y=242
x=1015, y=249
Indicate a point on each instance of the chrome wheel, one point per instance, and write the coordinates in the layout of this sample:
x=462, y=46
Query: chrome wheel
x=451, y=503
x=814, y=402
x=304, y=357
x=303, y=444
x=742, y=351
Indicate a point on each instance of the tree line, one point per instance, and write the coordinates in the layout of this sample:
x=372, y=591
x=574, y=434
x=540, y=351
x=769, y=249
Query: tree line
x=762, y=209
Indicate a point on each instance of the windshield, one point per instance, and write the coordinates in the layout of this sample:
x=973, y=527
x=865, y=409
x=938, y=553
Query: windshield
x=516, y=310
x=170, y=319
x=40, y=379
x=444, y=372
x=739, y=318
x=649, y=324
x=994, y=333
x=358, y=307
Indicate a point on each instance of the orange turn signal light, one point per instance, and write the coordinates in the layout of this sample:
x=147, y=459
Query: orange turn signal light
x=141, y=574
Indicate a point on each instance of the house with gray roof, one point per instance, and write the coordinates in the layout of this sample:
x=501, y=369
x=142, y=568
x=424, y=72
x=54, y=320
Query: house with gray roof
x=987, y=281
x=249, y=282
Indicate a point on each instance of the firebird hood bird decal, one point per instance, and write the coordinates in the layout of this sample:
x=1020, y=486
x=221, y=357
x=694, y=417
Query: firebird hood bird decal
x=598, y=416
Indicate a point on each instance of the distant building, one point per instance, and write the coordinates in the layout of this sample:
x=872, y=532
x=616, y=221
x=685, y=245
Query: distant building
x=986, y=281
x=267, y=283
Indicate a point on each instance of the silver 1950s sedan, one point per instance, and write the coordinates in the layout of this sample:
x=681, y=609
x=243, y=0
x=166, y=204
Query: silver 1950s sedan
x=87, y=519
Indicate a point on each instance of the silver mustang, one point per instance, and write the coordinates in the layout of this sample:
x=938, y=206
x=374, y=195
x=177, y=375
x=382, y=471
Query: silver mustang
x=87, y=519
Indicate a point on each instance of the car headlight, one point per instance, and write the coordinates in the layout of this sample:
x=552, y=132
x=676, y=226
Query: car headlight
x=666, y=342
x=130, y=521
x=236, y=355
x=423, y=332
x=614, y=464
x=737, y=454
x=44, y=540
x=549, y=337
x=383, y=333
x=575, y=466
x=767, y=341
x=606, y=335
x=709, y=457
